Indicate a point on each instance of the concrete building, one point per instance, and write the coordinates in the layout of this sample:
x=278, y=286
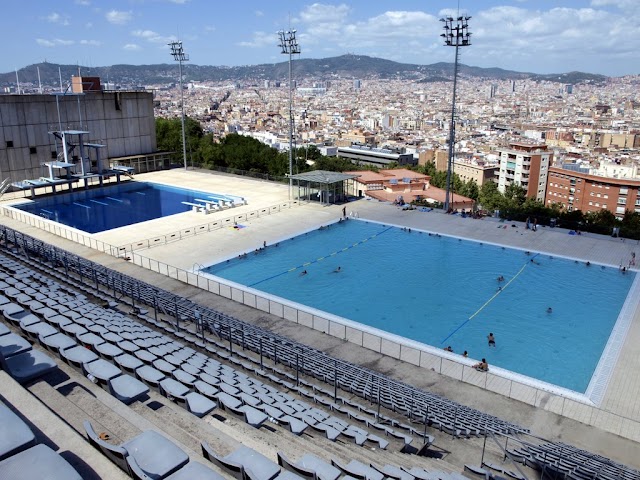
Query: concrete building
x=401, y=186
x=378, y=157
x=526, y=165
x=122, y=121
x=479, y=172
x=590, y=193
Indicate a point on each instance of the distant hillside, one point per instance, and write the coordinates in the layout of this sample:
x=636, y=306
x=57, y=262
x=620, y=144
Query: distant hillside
x=344, y=66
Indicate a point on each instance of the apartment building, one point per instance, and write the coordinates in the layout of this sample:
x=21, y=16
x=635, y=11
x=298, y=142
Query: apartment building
x=526, y=165
x=590, y=193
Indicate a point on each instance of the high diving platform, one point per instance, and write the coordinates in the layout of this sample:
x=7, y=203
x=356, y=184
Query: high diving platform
x=78, y=162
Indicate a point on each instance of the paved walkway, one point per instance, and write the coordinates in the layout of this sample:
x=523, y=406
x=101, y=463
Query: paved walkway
x=621, y=399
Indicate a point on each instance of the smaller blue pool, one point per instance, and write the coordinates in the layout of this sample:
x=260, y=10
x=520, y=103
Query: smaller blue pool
x=101, y=209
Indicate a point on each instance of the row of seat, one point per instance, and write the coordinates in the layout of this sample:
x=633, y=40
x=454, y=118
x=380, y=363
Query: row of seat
x=566, y=461
x=180, y=373
x=22, y=457
x=99, y=331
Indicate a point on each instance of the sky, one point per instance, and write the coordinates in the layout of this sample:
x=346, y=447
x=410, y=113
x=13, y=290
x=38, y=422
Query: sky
x=539, y=36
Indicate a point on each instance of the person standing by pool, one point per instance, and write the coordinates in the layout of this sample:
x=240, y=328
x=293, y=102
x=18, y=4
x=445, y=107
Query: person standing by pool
x=491, y=339
x=344, y=212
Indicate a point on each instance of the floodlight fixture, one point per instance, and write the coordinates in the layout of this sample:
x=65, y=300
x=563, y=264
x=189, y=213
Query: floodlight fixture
x=456, y=34
x=179, y=56
x=289, y=46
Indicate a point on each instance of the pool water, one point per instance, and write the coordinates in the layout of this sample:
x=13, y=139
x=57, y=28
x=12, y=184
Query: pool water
x=445, y=291
x=113, y=206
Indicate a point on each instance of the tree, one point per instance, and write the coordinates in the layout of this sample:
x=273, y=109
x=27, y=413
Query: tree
x=490, y=198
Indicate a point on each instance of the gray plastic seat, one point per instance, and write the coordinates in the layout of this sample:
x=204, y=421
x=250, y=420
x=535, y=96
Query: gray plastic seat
x=108, y=351
x=37, y=328
x=4, y=329
x=206, y=389
x=27, y=366
x=16, y=434
x=193, y=471
x=146, y=356
x=156, y=455
x=170, y=387
x=13, y=344
x=197, y=404
x=38, y=462
x=150, y=376
x=57, y=342
x=90, y=339
x=13, y=312
x=76, y=356
x=127, y=389
x=128, y=346
x=100, y=371
x=323, y=469
x=128, y=362
x=244, y=458
x=359, y=470
x=163, y=366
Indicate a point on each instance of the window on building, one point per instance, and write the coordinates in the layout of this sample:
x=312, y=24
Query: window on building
x=623, y=190
x=54, y=154
x=9, y=143
x=32, y=150
x=620, y=209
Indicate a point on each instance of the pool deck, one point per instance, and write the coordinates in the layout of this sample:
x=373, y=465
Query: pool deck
x=619, y=411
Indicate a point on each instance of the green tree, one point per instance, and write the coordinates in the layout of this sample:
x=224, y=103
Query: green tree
x=490, y=198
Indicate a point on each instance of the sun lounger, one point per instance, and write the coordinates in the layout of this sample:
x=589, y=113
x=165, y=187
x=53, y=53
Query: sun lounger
x=16, y=434
x=38, y=462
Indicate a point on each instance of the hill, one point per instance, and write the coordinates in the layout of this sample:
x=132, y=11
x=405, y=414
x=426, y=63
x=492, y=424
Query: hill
x=344, y=66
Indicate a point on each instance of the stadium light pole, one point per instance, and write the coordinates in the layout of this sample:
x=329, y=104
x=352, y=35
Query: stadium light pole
x=456, y=34
x=289, y=46
x=179, y=56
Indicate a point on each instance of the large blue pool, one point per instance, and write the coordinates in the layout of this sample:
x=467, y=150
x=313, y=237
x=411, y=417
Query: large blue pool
x=113, y=206
x=444, y=291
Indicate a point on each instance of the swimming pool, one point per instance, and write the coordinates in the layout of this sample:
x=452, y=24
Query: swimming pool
x=113, y=206
x=444, y=291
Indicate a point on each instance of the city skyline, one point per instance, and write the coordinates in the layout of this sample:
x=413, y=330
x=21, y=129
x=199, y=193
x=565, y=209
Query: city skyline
x=539, y=37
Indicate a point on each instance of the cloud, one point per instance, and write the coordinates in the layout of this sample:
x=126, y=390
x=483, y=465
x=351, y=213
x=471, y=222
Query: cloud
x=209, y=28
x=132, y=47
x=153, y=37
x=84, y=3
x=621, y=4
x=55, y=42
x=259, y=13
x=55, y=17
x=118, y=17
x=93, y=43
x=260, y=39
x=179, y=2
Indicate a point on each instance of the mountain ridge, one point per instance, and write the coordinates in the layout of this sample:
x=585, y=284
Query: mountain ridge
x=344, y=66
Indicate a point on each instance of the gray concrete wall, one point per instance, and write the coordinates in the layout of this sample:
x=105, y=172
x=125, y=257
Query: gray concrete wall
x=26, y=120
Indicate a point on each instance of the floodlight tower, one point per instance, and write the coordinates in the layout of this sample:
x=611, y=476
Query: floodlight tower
x=456, y=34
x=289, y=46
x=179, y=56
